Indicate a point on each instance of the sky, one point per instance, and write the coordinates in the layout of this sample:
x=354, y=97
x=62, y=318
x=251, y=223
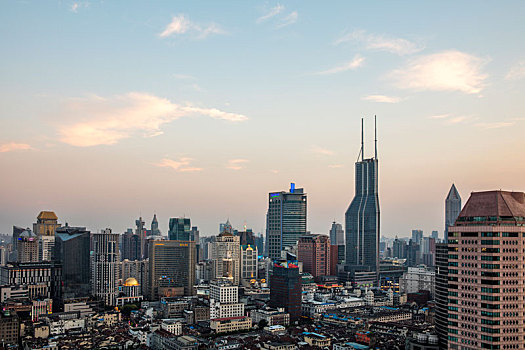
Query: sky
x=111, y=110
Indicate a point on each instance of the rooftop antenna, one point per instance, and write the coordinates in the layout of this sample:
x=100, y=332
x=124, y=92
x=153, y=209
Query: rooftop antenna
x=375, y=133
x=362, y=140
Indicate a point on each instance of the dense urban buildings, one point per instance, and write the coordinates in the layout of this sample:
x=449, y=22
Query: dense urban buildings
x=285, y=220
x=362, y=217
x=486, y=269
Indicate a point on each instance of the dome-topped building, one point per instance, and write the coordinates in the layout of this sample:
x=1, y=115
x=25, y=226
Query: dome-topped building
x=131, y=282
x=129, y=292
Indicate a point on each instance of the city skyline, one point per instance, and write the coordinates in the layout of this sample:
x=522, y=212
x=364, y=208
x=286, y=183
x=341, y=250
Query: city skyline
x=199, y=111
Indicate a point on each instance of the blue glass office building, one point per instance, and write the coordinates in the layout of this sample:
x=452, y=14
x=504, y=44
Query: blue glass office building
x=362, y=217
x=285, y=220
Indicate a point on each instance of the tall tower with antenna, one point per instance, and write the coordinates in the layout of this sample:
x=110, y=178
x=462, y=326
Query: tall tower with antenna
x=362, y=217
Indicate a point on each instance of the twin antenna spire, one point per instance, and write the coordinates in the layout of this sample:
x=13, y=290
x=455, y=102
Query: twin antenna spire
x=362, y=152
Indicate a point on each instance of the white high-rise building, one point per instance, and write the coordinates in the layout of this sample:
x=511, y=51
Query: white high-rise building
x=224, y=300
x=105, y=266
x=46, y=245
x=416, y=279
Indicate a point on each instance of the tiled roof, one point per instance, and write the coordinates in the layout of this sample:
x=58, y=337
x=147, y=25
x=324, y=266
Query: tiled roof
x=494, y=203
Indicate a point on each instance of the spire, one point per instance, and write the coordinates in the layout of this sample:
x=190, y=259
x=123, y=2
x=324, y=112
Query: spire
x=362, y=140
x=453, y=194
x=375, y=135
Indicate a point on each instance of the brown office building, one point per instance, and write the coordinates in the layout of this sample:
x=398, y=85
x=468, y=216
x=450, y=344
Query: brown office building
x=172, y=268
x=486, y=273
x=314, y=252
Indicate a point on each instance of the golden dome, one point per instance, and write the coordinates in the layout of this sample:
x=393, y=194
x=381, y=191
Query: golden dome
x=131, y=282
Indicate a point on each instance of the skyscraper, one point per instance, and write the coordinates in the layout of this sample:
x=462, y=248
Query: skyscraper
x=105, y=266
x=486, y=273
x=314, y=252
x=72, y=250
x=362, y=216
x=140, y=231
x=337, y=234
x=337, y=238
x=285, y=288
x=285, y=220
x=155, y=226
x=46, y=224
x=179, y=229
x=417, y=236
x=442, y=294
x=226, y=257
x=27, y=247
x=131, y=246
x=248, y=260
x=171, y=268
x=452, y=208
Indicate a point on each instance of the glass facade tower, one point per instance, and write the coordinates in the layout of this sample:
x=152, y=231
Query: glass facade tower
x=179, y=229
x=285, y=220
x=362, y=217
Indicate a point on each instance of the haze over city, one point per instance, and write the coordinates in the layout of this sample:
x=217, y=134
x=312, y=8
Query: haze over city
x=114, y=110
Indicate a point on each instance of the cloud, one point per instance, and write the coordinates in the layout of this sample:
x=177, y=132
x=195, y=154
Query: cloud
x=322, y=151
x=444, y=71
x=495, y=125
x=439, y=116
x=335, y=166
x=381, y=43
x=450, y=119
x=290, y=19
x=459, y=119
x=236, y=164
x=356, y=62
x=78, y=5
x=182, y=165
x=106, y=121
x=517, y=71
x=274, y=11
x=13, y=146
x=382, y=99
x=180, y=24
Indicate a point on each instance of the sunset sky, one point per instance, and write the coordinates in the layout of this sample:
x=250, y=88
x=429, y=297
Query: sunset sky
x=114, y=109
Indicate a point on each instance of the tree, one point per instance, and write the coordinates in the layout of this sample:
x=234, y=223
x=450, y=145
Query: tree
x=263, y=323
